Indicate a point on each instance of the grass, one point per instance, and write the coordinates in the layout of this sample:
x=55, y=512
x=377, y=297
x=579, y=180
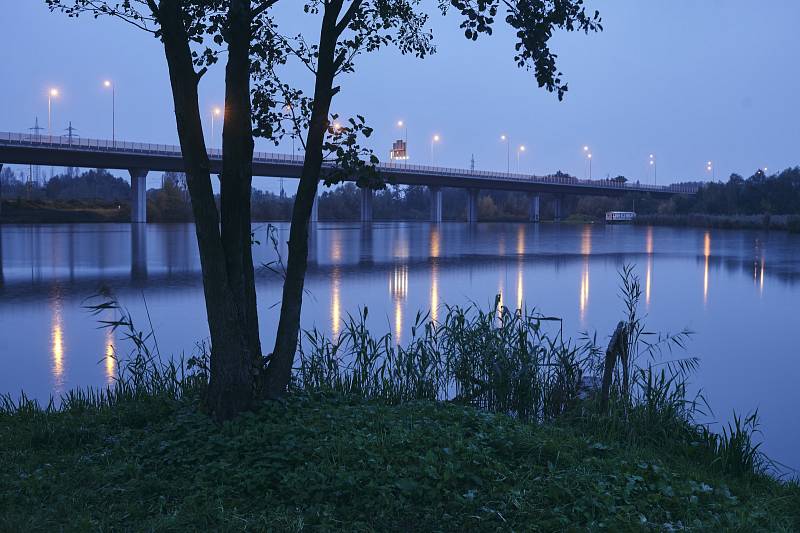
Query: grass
x=482, y=421
x=331, y=462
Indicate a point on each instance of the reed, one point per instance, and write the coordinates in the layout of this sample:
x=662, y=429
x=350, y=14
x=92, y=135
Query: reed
x=512, y=362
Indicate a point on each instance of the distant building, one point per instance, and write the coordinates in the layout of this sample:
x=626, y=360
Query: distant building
x=399, y=150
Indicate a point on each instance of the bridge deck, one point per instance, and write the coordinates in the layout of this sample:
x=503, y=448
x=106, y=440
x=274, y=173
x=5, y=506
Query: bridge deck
x=19, y=148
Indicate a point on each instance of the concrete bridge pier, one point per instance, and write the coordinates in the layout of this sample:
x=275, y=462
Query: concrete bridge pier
x=138, y=252
x=533, y=215
x=472, y=205
x=365, y=256
x=436, y=204
x=1, y=200
x=366, y=205
x=138, y=195
x=558, y=208
x=315, y=209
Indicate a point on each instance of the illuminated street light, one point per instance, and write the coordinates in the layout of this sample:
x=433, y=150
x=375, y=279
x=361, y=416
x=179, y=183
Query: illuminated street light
x=520, y=150
x=53, y=93
x=434, y=140
x=402, y=124
x=589, y=157
x=655, y=168
x=506, y=140
x=108, y=85
x=215, y=112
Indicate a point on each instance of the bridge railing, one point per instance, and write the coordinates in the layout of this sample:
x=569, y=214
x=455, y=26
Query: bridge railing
x=171, y=150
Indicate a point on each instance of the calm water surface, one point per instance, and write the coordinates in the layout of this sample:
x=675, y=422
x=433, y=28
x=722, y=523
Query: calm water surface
x=737, y=290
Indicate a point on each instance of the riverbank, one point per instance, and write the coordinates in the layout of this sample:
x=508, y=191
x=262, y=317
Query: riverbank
x=333, y=462
x=772, y=222
x=72, y=211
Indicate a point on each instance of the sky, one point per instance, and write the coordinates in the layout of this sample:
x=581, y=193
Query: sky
x=689, y=81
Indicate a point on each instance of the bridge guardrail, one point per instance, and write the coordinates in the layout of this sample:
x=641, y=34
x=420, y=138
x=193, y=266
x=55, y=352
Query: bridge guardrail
x=128, y=147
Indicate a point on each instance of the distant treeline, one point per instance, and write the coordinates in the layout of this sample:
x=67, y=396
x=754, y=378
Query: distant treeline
x=760, y=194
x=737, y=203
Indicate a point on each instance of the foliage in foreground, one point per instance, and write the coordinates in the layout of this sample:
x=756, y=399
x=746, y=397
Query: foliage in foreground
x=482, y=421
x=341, y=463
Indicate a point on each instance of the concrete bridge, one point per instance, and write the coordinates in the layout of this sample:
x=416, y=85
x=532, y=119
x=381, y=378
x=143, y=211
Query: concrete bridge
x=141, y=158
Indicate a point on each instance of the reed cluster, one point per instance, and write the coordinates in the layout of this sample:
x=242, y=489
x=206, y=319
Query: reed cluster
x=511, y=362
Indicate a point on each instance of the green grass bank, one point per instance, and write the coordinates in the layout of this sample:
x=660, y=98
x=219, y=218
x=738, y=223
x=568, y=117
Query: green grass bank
x=333, y=462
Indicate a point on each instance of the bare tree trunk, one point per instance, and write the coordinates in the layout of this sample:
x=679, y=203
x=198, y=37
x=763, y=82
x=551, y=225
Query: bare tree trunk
x=237, y=175
x=280, y=364
x=230, y=389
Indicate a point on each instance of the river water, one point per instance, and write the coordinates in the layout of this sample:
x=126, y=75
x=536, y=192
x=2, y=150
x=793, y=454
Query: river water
x=737, y=290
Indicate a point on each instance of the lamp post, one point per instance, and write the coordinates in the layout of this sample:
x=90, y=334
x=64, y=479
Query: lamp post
x=506, y=140
x=214, y=113
x=52, y=93
x=520, y=150
x=654, y=164
x=108, y=85
x=434, y=140
x=711, y=170
x=401, y=124
x=589, y=156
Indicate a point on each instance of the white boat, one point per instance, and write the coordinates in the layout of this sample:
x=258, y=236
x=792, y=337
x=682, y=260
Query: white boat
x=615, y=217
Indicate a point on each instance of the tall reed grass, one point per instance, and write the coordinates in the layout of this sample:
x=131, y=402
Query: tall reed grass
x=515, y=362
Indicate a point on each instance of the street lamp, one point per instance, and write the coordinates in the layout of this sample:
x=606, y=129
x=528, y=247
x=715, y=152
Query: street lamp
x=434, y=140
x=655, y=168
x=589, y=156
x=401, y=124
x=519, y=152
x=108, y=85
x=53, y=93
x=506, y=140
x=214, y=113
x=711, y=170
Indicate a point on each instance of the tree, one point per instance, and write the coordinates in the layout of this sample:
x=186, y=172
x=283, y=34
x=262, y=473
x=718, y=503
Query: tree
x=366, y=26
x=193, y=33
x=254, y=46
x=363, y=26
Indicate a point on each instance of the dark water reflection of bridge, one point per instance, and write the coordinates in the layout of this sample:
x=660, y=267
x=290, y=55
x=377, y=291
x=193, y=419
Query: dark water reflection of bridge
x=737, y=289
x=83, y=257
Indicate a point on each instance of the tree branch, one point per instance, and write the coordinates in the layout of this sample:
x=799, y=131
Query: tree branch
x=348, y=16
x=266, y=4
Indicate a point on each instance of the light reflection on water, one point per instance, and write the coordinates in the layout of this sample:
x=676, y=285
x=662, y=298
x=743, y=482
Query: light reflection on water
x=110, y=364
x=434, y=257
x=49, y=343
x=57, y=336
x=586, y=252
x=707, y=255
x=649, y=272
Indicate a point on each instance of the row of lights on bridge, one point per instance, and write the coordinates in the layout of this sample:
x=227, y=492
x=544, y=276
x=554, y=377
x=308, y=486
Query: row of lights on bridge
x=216, y=113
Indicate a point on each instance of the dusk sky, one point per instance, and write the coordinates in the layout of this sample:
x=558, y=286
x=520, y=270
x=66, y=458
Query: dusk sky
x=687, y=80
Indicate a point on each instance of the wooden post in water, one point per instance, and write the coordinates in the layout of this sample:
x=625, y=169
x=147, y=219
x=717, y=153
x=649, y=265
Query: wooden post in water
x=617, y=349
